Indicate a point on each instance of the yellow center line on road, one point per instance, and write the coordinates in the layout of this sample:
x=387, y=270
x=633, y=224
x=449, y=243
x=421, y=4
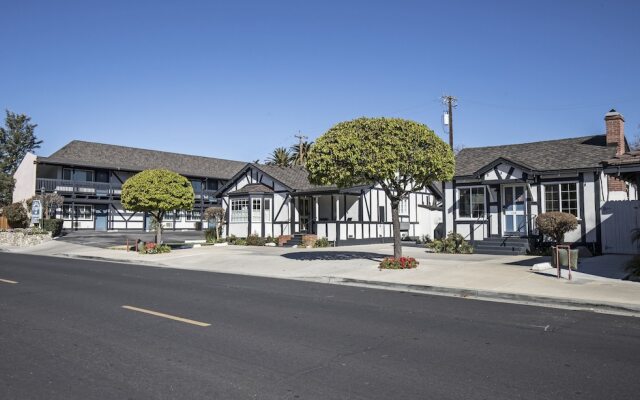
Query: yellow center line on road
x=173, y=317
x=8, y=281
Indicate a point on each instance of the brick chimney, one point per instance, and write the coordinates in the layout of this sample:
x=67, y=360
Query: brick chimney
x=615, y=130
x=614, y=122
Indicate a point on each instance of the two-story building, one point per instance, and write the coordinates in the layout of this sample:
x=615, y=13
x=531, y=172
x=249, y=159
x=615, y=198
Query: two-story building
x=90, y=176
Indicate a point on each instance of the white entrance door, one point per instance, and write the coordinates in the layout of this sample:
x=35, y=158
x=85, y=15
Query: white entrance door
x=514, y=206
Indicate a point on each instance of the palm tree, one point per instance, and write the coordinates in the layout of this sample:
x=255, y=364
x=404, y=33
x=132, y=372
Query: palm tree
x=280, y=157
x=299, y=153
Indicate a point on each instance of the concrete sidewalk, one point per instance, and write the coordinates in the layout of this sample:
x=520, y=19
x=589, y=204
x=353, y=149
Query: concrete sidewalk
x=487, y=277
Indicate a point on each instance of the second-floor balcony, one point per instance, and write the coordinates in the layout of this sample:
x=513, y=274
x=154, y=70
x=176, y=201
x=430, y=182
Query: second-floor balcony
x=101, y=189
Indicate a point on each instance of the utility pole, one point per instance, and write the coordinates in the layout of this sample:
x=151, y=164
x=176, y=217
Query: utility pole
x=302, y=139
x=451, y=102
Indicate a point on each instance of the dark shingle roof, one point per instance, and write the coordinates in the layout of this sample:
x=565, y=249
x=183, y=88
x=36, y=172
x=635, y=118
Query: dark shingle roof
x=552, y=155
x=628, y=158
x=99, y=155
x=253, y=188
x=295, y=177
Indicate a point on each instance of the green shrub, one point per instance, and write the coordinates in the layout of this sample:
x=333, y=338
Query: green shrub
x=454, y=243
x=322, y=242
x=53, y=225
x=210, y=235
x=271, y=239
x=556, y=224
x=240, y=242
x=232, y=239
x=398, y=263
x=16, y=215
x=255, y=240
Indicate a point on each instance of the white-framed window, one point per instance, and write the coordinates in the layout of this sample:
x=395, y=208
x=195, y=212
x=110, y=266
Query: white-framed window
x=79, y=175
x=256, y=210
x=267, y=209
x=403, y=208
x=193, y=215
x=239, y=210
x=562, y=197
x=83, y=212
x=471, y=202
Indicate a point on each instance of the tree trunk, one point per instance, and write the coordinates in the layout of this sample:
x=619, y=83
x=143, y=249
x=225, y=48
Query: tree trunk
x=395, y=218
x=159, y=232
x=158, y=220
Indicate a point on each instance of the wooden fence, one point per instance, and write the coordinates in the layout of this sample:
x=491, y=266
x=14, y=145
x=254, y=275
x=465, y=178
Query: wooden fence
x=619, y=219
x=3, y=223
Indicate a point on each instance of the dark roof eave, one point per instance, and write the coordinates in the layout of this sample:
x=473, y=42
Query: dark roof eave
x=541, y=173
x=622, y=168
x=48, y=161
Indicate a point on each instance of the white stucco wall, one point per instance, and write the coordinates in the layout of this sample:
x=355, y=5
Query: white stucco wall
x=25, y=179
x=448, y=204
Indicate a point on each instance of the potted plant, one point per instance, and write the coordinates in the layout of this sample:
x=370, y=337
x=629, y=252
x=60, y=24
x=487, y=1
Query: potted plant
x=556, y=225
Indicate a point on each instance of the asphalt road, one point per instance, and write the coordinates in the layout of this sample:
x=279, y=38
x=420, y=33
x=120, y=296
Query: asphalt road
x=64, y=334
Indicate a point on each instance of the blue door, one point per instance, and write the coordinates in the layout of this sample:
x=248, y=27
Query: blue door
x=102, y=216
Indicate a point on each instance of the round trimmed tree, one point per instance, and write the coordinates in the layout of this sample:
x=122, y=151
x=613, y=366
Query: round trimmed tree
x=556, y=224
x=157, y=191
x=398, y=155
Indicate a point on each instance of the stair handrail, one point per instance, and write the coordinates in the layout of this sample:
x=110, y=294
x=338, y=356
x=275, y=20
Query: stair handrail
x=482, y=217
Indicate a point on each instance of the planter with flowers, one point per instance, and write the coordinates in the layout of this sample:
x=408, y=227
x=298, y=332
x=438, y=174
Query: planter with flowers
x=398, y=263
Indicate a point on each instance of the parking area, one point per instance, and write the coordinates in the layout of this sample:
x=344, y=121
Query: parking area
x=105, y=240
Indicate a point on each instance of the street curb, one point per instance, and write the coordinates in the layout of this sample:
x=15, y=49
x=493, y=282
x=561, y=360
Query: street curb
x=485, y=295
x=603, y=307
x=107, y=259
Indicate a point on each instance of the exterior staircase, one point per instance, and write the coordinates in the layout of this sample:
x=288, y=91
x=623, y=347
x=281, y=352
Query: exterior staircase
x=497, y=245
x=296, y=240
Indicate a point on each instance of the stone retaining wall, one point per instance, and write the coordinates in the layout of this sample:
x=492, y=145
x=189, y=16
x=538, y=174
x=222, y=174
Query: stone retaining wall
x=21, y=239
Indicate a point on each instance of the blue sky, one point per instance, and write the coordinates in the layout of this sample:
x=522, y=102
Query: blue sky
x=234, y=79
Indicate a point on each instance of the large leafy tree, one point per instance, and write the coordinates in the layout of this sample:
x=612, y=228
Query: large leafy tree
x=17, y=137
x=157, y=191
x=280, y=157
x=398, y=155
x=6, y=189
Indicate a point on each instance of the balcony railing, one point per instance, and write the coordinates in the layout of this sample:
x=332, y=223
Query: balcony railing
x=207, y=195
x=98, y=188
x=86, y=188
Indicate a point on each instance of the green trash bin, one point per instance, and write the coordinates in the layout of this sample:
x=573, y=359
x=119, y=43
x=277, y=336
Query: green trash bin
x=564, y=258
